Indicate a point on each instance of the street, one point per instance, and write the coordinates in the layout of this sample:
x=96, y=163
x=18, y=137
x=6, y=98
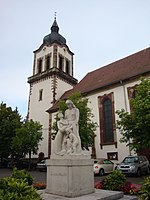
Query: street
x=41, y=176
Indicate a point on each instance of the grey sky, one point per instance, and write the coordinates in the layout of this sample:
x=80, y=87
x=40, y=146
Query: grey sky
x=97, y=31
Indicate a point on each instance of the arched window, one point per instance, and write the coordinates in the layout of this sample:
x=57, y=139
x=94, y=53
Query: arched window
x=39, y=66
x=61, y=63
x=67, y=67
x=107, y=120
x=108, y=135
x=47, y=63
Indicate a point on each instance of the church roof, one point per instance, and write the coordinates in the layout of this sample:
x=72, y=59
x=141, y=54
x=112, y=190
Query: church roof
x=54, y=36
x=125, y=69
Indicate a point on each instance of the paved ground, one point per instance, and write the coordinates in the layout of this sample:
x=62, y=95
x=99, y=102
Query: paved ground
x=41, y=176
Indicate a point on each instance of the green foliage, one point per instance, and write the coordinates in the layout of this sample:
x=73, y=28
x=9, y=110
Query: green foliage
x=86, y=125
x=17, y=189
x=135, y=126
x=27, y=138
x=22, y=174
x=114, y=180
x=144, y=193
x=9, y=121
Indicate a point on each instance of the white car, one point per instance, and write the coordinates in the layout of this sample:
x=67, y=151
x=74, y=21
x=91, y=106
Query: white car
x=102, y=166
x=41, y=166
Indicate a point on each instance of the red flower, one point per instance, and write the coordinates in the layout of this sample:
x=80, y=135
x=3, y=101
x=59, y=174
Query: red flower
x=99, y=185
x=130, y=188
x=39, y=186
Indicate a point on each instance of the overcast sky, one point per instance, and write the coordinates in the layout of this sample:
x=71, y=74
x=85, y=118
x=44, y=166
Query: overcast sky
x=99, y=32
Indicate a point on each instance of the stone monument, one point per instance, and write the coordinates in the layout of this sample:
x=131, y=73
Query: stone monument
x=69, y=170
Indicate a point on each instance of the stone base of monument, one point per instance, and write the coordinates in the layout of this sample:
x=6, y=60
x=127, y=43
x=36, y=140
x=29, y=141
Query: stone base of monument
x=70, y=176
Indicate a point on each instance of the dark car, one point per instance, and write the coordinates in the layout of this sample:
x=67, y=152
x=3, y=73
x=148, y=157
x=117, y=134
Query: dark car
x=134, y=165
x=24, y=164
x=11, y=163
x=41, y=166
x=3, y=162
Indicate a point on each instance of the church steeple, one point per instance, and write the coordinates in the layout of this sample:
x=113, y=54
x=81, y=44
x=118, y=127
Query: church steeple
x=55, y=27
x=52, y=76
x=54, y=36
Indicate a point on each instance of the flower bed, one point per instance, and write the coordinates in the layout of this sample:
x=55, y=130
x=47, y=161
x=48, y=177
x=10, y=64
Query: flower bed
x=126, y=188
x=117, y=181
x=39, y=186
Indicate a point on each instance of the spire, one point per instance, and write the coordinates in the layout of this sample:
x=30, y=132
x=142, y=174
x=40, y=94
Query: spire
x=54, y=36
x=55, y=27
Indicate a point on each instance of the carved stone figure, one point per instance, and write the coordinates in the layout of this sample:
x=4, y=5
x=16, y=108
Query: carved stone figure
x=67, y=140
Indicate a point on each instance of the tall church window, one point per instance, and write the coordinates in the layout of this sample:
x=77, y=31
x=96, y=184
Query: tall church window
x=107, y=120
x=47, y=62
x=40, y=95
x=67, y=67
x=61, y=63
x=39, y=67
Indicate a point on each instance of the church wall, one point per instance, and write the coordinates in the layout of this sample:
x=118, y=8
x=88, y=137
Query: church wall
x=62, y=86
x=38, y=109
x=64, y=52
x=120, y=101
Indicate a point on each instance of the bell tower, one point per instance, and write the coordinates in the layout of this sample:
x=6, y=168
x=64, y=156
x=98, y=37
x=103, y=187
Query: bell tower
x=53, y=74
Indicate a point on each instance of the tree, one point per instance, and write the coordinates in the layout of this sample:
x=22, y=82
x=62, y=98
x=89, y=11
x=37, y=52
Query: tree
x=27, y=138
x=86, y=126
x=9, y=121
x=135, y=126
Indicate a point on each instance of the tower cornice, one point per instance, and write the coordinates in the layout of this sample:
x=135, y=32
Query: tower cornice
x=53, y=71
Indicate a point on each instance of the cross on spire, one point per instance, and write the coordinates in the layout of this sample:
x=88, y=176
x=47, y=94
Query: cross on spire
x=55, y=15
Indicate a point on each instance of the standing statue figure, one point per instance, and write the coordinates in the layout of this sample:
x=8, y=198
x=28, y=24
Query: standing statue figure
x=72, y=115
x=67, y=140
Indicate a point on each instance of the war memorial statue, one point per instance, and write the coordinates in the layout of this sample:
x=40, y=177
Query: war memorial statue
x=69, y=169
x=67, y=140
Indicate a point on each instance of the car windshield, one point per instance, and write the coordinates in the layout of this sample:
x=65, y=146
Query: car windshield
x=130, y=160
x=42, y=161
x=99, y=161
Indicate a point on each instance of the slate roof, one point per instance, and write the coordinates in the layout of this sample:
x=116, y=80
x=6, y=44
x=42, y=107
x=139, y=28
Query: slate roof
x=133, y=66
x=54, y=36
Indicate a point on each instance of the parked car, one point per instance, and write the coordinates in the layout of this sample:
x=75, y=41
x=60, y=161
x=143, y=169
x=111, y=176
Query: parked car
x=102, y=166
x=41, y=166
x=22, y=163
x=11, y=163
x=134, y=165
x=3, y=162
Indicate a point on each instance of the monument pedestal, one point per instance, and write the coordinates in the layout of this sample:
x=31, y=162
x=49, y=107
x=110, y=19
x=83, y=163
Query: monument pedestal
x=70, y=176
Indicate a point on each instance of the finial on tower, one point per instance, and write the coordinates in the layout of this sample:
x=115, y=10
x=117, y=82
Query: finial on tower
x=55, y=14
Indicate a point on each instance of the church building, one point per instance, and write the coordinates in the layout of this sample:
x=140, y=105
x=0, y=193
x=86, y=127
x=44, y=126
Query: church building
x=108, y=88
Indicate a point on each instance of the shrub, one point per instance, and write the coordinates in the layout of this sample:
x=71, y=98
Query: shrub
x=18, y=189
x=22, y=174
x=114, y=180
x=144, y=193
